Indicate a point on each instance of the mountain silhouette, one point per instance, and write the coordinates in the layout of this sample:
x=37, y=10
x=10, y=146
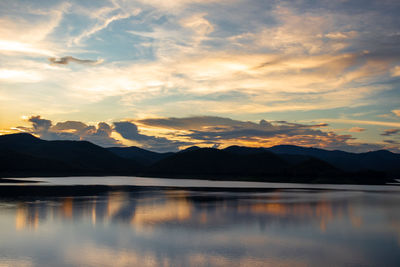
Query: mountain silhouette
x=140, y=155
x=381, y=160
x=211, y=161
x=258, y=164
x=24, y=155
x=59, y=157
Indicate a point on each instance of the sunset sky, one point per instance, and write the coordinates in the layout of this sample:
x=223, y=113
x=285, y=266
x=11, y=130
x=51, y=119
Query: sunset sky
x=165, y=75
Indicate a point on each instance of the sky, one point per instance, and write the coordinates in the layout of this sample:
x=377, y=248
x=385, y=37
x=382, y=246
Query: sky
x=166, y=75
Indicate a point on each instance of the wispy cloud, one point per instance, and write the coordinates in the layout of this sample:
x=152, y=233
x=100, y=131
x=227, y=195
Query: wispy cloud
x=249, y=60
x=396, y=71
x=7, y=46
x=99, y=26
x=226, y=131
x=362, y=122
x=172, y=134
x=28, y=34
x=396, y=112
x=104, y=16
x=20, y=76
x=390, y=132
x=66, y=60
x=356, y=129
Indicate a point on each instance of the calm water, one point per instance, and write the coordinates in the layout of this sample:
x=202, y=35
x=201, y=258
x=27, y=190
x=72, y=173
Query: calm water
x=283, y=226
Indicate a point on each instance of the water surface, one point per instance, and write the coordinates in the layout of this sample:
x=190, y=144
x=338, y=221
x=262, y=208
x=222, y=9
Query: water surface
x=286, y=225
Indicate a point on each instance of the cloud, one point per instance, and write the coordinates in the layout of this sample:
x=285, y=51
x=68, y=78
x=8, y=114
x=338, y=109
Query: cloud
x=105, y=16
x=188, y=63
x=172, y=134
x=396, y=71
x=341, y=35
x=71, y=130
x=196, y=122
x=129, y=130
x=70, y=125
x=69, y=59
x=394, y=142
x=176, y=5
x=7, y=46
x=220, y=58
x=218, y=130
x=25, y=28
x=356, y=129
x=362, y=122
x=20, y=76
x=396, y=112
x=40, y=125
x=198, y=24
x=390, y=132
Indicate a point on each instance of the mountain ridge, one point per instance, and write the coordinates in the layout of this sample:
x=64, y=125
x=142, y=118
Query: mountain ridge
x=25, y=155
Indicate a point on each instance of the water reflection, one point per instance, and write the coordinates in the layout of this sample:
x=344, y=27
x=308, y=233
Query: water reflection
x=184, y=209
x=197, y=228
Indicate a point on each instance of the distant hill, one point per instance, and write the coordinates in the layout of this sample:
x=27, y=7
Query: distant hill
x=25, y=155
x=381, y=160
x=257, y=164
x=210, y=161
x=142, y=156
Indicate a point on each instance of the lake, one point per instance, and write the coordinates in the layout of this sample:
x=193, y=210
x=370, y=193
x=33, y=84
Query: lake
x=169, y=222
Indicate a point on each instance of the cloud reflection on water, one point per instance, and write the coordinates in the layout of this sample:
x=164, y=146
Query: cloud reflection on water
x=196, y=228
x=190, y=210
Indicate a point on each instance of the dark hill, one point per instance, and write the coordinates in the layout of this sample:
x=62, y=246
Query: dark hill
x=208, y=162
x=381, y=160
x=11, y=161
x=25, y=155
x=60, y=157
x=256, y=164
x=142, y=156
x=192, y=148
x=242, y=150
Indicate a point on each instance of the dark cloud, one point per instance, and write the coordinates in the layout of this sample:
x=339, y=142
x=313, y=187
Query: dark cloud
x=217, y=130
x=199, y=122
x=130, y=131
x=205, y=130
x=390, y=132
x=71, y=130
x=393, y=142
x=70, y=125
x=39, y=124
x=69, y=59
x=196, y=122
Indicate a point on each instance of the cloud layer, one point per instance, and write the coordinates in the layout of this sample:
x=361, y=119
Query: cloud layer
x=173, y=134
x=129, y=130
x=225, y=131
x=71, y=130
x=325, y=61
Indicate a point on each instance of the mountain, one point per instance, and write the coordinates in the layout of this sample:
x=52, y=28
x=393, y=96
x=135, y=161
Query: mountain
x=210, y=161
x=381, y=160
x=24, y=153
x=256, y=164
x=142, y=156
x=12, y=160
x=192, y=148
x=242, y=150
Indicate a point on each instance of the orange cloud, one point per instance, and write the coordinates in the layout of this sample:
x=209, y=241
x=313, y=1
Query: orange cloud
x=356, y=129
